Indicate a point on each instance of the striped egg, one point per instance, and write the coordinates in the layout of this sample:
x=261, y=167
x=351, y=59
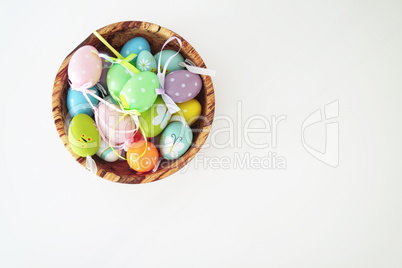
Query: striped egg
x=106, y=152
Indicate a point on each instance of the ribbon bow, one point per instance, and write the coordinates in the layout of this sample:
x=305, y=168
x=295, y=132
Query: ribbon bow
x=125, y=62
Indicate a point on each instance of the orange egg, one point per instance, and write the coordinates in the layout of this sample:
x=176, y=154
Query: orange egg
x=146, y=162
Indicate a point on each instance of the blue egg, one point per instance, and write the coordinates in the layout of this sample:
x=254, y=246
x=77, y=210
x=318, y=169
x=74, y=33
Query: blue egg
x=146, y=62
x=174, y=62
x=78, y=104
x=135, y=45
x=175, y=140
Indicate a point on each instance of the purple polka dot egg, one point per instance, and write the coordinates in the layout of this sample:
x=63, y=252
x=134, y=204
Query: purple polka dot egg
x=182, y=85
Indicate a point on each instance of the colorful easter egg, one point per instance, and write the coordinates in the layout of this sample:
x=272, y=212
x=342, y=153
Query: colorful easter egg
x=145, y=162
x=155, y=119
x=105, y=68
x=182, y=85
x=83, y=135
x=106, y=152
x=78, y=104
x=112, y=126
x=190, y=110
x=175, y=140
x=85, y=67
x=146, y=62
x=139, y=92
x=173, y=64
x=117, y=77
x=135, y=45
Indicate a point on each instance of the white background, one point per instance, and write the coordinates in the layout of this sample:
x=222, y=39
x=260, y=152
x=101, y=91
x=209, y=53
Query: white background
x=277, y=58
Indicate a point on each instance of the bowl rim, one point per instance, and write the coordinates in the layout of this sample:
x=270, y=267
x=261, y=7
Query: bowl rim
x=135, y=178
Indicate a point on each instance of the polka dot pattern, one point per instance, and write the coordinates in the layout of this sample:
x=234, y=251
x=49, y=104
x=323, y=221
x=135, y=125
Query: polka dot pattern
x=82, y=66
x=182, y=85
x=142, y=90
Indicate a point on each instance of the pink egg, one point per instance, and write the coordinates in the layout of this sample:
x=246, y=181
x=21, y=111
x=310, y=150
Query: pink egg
x=85, y=67
x=107, y=124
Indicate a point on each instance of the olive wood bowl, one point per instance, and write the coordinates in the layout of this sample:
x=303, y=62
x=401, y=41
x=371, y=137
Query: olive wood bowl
x=117, y=34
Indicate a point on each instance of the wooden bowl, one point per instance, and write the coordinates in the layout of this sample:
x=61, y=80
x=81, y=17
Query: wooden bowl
x=117, y=35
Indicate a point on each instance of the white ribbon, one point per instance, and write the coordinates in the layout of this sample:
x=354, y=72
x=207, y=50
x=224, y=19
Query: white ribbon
x=90, y=164
x=170, y=104
x=189, y=65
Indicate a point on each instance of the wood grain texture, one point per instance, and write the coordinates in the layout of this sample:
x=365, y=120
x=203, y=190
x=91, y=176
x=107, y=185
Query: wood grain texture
x=117, y=35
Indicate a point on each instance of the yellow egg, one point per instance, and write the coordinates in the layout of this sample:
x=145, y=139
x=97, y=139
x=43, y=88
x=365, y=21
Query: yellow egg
x=190, y=110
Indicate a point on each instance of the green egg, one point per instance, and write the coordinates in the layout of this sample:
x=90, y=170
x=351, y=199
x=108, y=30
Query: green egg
x=139, y=92
x=117, y=77
x=155, y=119
x=83, y=135
x=173, y=64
